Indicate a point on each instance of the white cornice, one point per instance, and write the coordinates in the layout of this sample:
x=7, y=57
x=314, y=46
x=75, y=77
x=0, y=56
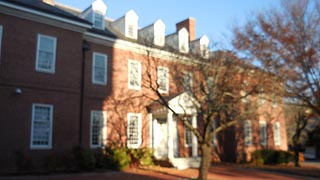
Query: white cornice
x=65, y=20
x=136, y=48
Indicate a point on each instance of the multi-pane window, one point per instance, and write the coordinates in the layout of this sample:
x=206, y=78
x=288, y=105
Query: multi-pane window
x=247, y=133
x=276, y=134
x=99, y=69
x=163, y=79
x=98, y=20
x=46, y=54
x=1, y=30
x=98, y=129
x=131, y=30
x=187, y=82
x=41, y=129
x=263, y=132
x=204, y=50
x=188, y=134
x=134, y=130
x=134, y=74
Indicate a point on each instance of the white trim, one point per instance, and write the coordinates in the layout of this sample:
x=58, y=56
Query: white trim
x=104, y=129
x=94, y=81
x=160, y=68
x=45, y=15
x=134, y=146
x=263, y=133
x=137, y=48
x=277, y=134
x=138, y=63
x=49, y=146
x=52, y=70
x=247, y=128
x=194, y=138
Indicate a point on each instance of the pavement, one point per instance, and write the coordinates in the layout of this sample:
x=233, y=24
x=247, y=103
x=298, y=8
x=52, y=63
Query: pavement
x=216, y=172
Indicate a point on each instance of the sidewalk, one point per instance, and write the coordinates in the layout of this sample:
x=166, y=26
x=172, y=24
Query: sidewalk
x=224, y=172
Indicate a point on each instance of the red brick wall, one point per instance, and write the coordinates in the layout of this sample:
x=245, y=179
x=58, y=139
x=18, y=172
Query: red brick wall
x=61, y=89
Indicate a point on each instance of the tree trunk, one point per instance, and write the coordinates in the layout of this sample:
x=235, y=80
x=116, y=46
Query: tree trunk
x=205, y=161
x=296, y=155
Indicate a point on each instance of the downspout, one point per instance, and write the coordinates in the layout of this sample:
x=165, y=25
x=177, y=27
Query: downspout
x=85, y=48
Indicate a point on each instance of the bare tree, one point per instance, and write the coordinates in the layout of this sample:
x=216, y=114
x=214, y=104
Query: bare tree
x=219, y=86
x=286, y=42
x=298, y=118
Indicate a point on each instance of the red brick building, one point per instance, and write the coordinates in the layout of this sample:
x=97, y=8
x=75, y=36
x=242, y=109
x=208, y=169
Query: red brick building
x=70, y=77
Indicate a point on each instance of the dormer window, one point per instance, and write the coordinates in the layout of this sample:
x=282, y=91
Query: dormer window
x=98, y=20
x=131, y=29
x=153, y=34
x=127, y=25
x=131, y=24
x=95, y=14
x=183, y=41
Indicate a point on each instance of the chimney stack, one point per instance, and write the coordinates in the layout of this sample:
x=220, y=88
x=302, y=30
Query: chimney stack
x=50, y=2
x=190, y=25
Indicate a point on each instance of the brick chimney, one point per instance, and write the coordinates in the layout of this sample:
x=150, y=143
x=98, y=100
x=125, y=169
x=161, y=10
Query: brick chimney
x=50, y=2
x=190, y=25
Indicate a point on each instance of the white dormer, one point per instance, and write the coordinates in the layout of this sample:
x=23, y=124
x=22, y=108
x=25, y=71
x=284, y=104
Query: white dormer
x=200, y=46
x=154, y=33
x=127, y=25
x=179, y=41
x=95, y=14
x=183, y=40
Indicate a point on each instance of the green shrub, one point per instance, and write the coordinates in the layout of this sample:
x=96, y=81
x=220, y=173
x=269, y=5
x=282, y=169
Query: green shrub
x=271, y=157
x=85, y=158
x=143, y=156
x=121, y=158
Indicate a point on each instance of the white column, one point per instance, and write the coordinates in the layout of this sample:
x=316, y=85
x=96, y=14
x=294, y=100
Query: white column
x=150, y=131
x=170, y=135
x=194, y=138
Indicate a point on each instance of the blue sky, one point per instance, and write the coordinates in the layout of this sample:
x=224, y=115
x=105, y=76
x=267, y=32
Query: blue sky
x=214, y=18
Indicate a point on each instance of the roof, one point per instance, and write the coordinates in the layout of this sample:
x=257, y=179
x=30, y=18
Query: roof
x=38, y=5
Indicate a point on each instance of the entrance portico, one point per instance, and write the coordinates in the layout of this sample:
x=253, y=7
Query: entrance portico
x=165, y=127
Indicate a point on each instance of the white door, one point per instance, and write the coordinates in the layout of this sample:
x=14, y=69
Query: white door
x=160, y=138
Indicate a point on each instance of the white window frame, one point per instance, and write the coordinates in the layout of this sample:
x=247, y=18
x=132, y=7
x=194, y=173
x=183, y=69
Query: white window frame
x=94, y=80
x=161, y=78
x=247, y=128
x=263, y=132
x=134, y=87
x=94, y=18
x=139, y=141
x=52, y=69
x=277, y=134
x=188, y=132
x=102, y=134
x=1, y=32
x=49, y=145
